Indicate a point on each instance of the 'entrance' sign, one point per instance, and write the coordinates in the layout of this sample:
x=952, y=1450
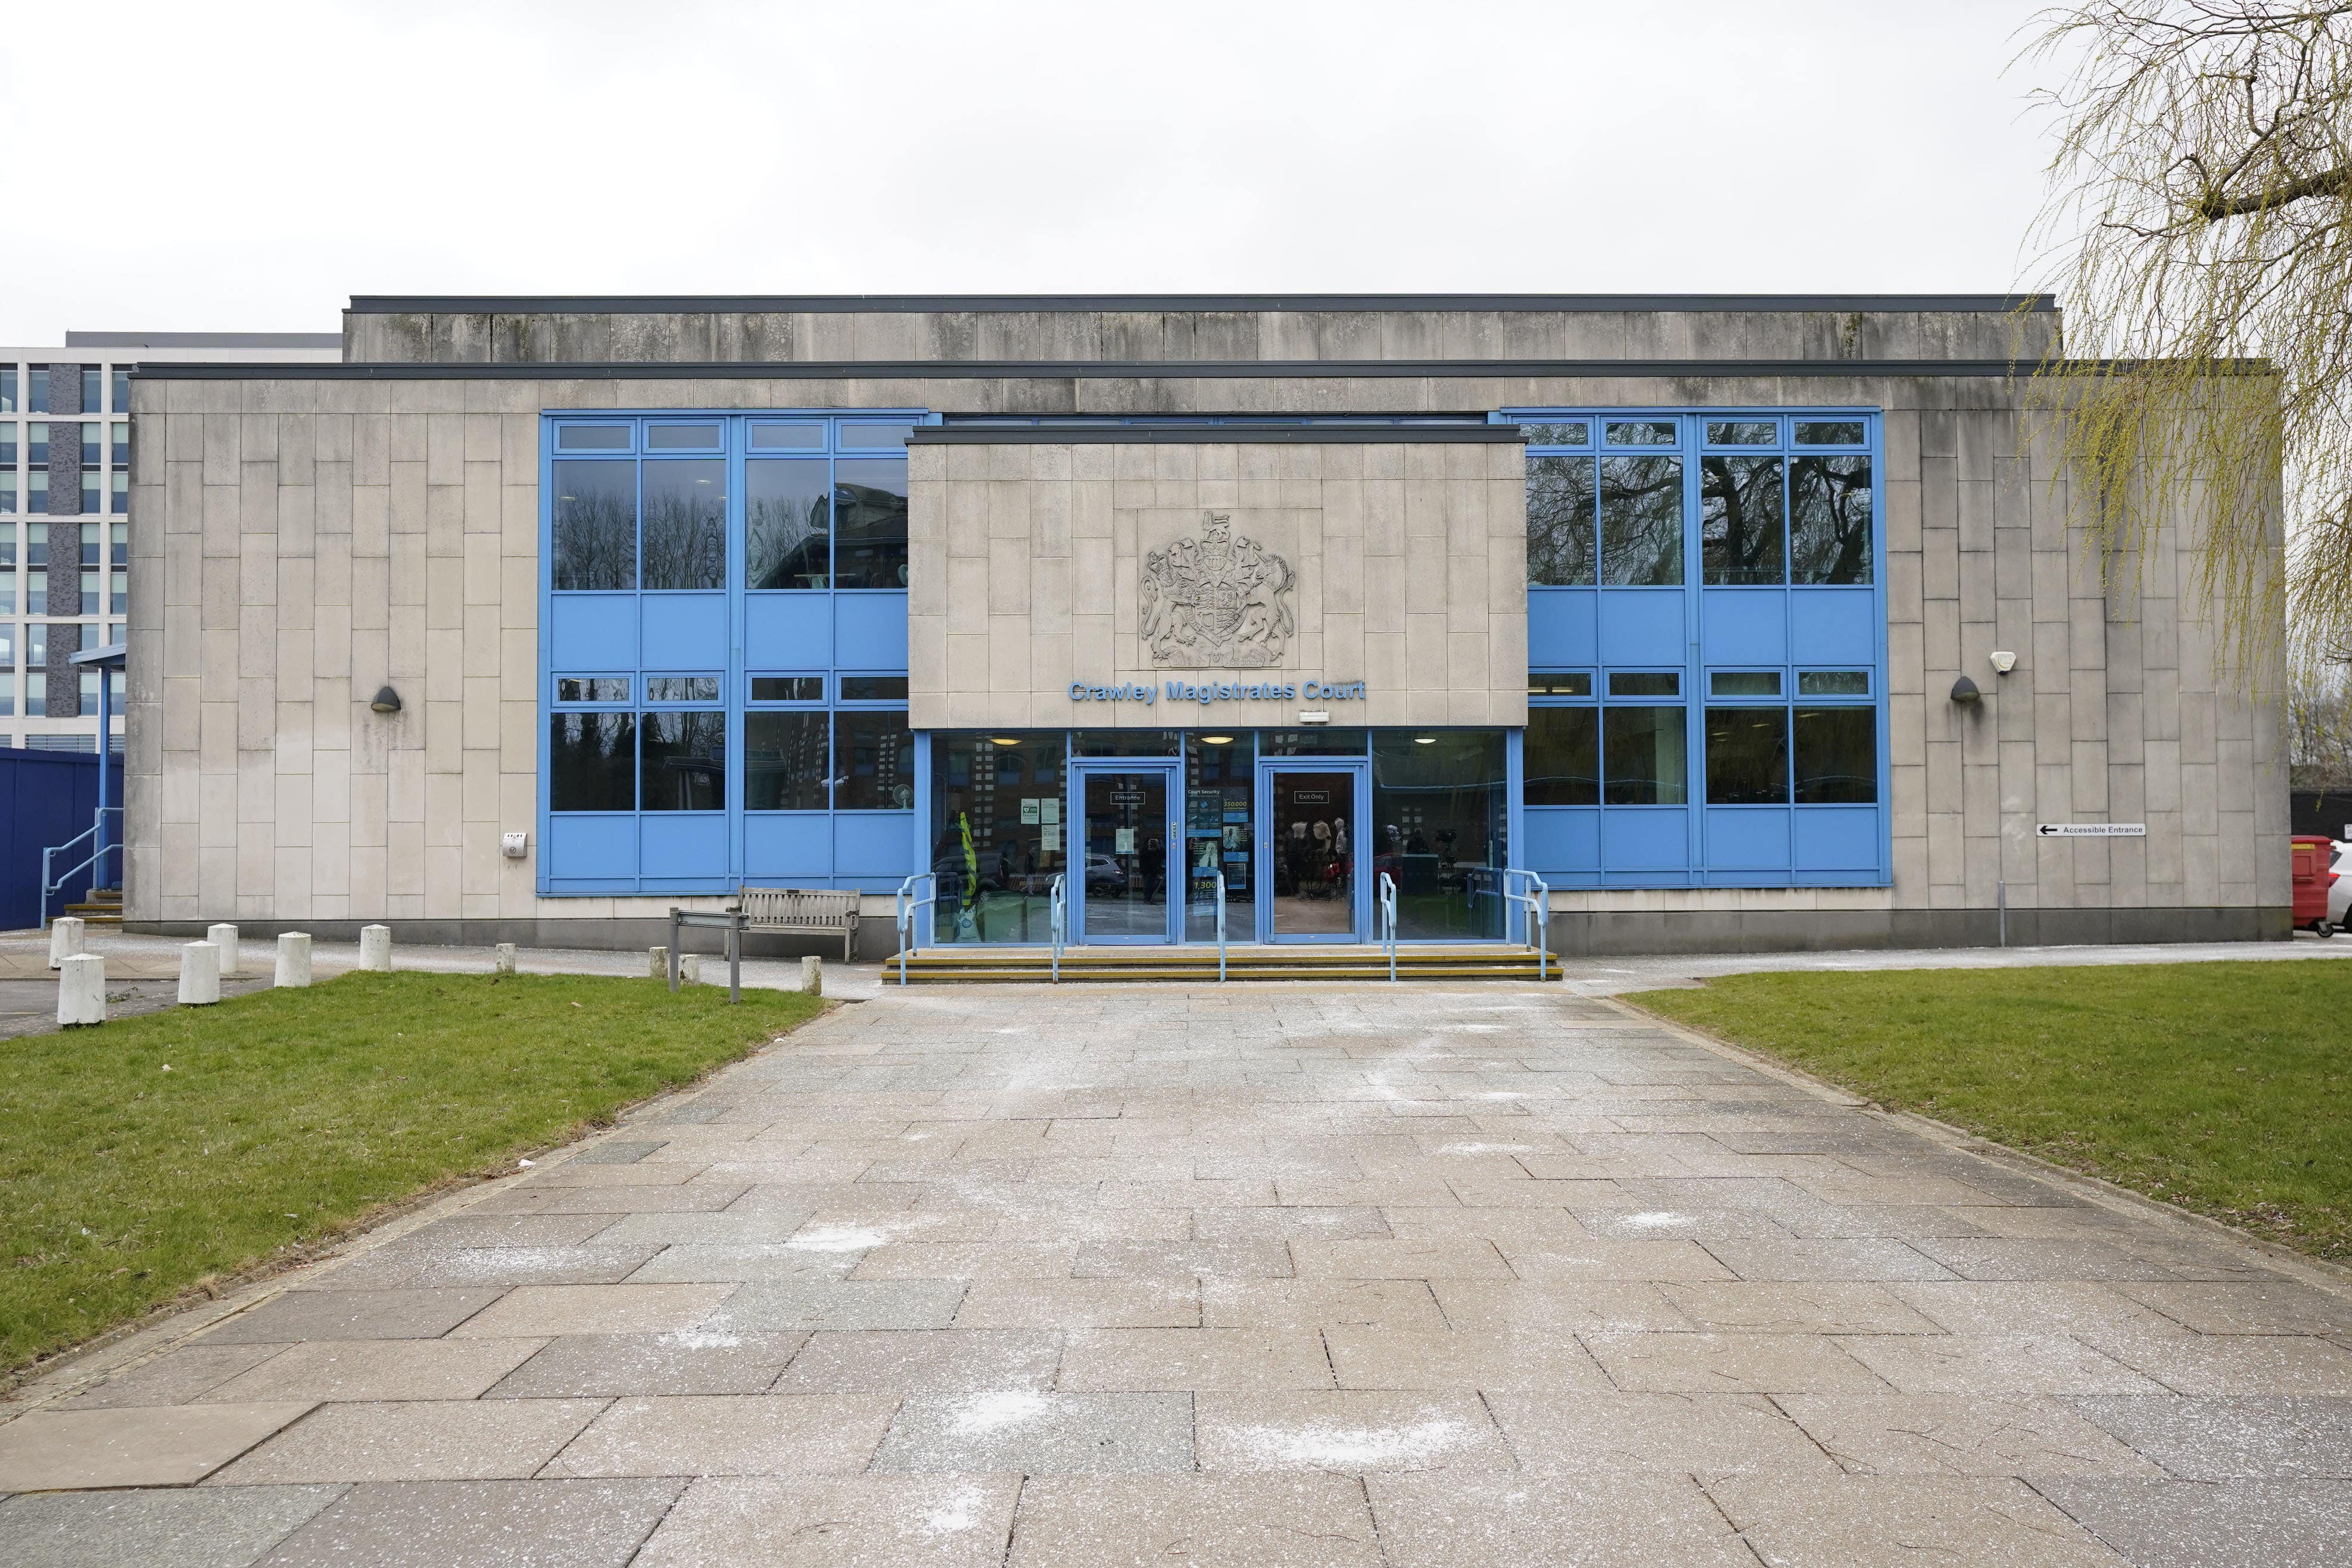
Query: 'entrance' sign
x=2092, y=829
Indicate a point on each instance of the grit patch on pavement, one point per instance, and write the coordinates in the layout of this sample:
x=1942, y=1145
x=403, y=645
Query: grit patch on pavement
x=1294, y=1276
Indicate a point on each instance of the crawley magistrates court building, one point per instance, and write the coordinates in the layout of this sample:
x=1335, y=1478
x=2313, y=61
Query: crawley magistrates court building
x=1676, y=604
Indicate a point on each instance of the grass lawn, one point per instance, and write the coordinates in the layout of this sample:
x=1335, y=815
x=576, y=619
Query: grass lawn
x=2224, y=1088
x=149, y=1155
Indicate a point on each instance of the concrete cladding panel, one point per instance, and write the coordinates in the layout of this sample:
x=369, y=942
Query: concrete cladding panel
x=1161, y=328
x=1382, y=582
x=312, y=538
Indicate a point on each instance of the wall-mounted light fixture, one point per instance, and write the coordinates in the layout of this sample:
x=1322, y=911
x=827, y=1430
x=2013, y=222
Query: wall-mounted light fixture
x=1964, y=692
x=2003, y=662
x=386, y=700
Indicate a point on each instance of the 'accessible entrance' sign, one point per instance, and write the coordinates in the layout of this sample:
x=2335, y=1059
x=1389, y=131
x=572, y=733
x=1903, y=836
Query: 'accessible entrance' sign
x=2091, y=830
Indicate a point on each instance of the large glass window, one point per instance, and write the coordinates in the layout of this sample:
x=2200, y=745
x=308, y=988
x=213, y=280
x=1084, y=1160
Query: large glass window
x=1562, y=758
x=1559, y=521
x=997, y=834
x=121, y=389
x=685, y=523
x=1641, y=522
x=1837, y=756
x=1643, y=756
x=1440, y=814
x=10, y=400
x=595, y=525
x=873, y=761
x=1747, y=756
x=592, y=762
x=786, y=761
x=788, y=523
x=1740, y=520
x=1830, y=517
x=683, y=761
x=869, y=512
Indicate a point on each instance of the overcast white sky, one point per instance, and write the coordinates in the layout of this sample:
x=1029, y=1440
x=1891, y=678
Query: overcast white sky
x=253, y=165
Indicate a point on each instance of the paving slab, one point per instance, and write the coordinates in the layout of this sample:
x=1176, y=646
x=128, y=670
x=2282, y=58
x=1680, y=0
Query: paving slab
x=837, y=1521
x=1868, y=1521
x=1349, y=1432
x=203, y=1527
x=1041, y=1434
x=2256, y=1438
x=686, y=1361
x=2231, y=1524
x=347, y=1370
x=1446, y=1519
x=58, y=1450
x=1704, y=1433
x=301, y=1314
x=746, y=1434
x=1201, y=1522
x=492, y=1524
x=451, y=1439
x=939, y=1361
x=1960, y=1435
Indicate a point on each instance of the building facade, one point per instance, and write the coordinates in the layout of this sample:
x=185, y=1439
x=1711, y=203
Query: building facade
x=65, y=495
x=531, y=618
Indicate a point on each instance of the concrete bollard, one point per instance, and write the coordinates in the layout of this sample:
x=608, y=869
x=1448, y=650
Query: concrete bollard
x=294, y=958
x=65, y=938
x=199, y=974
x=81, y=989
x=657, y=963
x=812, y=975
x=690, y=969
x=376, y=948
x=504, y=959
x=224, y=938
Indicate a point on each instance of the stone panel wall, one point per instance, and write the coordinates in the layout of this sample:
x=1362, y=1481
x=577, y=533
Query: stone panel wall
x=703, y=336
x=1410, y=562
x=298, y=540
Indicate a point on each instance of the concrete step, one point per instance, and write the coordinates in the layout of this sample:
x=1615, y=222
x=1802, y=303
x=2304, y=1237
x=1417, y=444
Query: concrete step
x=1193, y=965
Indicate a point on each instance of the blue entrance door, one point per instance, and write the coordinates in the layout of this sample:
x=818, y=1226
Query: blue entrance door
x=1312, y=850
x=1125, y=865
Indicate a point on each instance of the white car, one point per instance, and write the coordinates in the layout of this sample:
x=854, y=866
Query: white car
x=2339, y=891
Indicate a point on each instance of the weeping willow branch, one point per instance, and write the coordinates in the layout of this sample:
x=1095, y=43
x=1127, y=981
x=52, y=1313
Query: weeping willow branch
x=2196, y=228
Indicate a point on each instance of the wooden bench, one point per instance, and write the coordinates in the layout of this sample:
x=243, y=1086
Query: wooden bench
x=821, y=911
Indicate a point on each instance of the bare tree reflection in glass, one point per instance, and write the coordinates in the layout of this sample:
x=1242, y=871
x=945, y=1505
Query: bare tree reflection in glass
x=869, y=505
x=595, y=525
x=685, y=525
x=1641, y=522
x=1830, y=519
x=684, y=762
x=788, y=524
x=592, y=762
x=1740, y=520
x=1559, y=521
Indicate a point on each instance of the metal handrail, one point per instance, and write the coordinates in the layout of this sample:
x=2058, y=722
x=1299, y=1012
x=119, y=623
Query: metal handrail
x=51, y=885
x=905, y=916
x=1221, y=927
x=1536, y=900
x=1058, y=929
x=1387, y=931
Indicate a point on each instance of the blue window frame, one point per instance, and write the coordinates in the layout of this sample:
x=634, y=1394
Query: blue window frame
x=723, y=651
x=1740, y=549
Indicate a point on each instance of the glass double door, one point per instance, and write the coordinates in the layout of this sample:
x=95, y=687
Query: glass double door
x=1130, y=852
x=1126, y=873
x=1311, y=852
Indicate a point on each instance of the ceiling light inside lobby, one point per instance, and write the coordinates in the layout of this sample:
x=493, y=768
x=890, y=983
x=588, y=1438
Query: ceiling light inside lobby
x=1216, y=740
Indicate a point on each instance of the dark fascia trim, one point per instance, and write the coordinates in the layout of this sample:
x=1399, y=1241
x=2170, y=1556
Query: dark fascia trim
x=1090, y=369
x=1215, y=435
x=866, y=304
x=205, y=341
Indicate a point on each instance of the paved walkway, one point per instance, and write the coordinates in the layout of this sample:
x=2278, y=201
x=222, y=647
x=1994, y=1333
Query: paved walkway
x=1285, y=1277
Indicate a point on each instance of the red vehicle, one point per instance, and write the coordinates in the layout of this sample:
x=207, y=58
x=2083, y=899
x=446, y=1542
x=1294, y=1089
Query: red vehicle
x=2313, y=877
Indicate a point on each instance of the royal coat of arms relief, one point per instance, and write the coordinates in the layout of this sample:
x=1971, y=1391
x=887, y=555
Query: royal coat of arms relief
x=1217, y=601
